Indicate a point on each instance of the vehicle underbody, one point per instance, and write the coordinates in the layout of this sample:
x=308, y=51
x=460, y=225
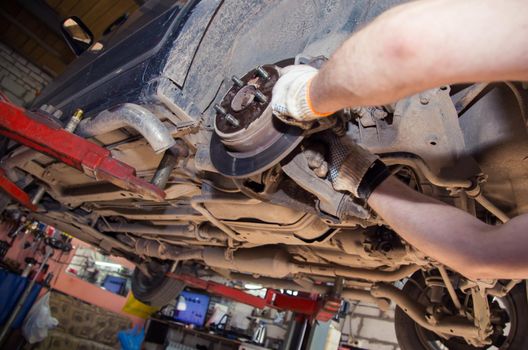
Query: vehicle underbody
x=249, y=198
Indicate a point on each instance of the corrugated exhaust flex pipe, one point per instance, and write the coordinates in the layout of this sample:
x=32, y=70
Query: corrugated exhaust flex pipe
x=131, y=115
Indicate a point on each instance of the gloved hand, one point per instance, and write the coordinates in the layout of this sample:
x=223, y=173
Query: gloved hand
x=354, y=169
x=290, y=97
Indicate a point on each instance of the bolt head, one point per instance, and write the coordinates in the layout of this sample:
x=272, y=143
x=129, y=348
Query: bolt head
x=261, y=72
x=259, y=96
x=219, y=109
x=238, y=82
x=232, y=120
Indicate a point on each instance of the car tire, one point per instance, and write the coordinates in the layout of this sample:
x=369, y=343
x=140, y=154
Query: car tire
x=412, y=337
x=157, y=289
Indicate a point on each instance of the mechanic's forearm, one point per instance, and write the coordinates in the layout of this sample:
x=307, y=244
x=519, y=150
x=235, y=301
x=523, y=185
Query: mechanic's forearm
x=452, y=236
x=425, y=44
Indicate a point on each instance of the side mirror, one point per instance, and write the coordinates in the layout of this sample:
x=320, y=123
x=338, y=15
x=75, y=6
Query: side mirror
x=76, y=34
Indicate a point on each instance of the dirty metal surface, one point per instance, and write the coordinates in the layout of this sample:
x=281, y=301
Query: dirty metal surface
x=230, y=164
x=425, y=125
x=241, y=103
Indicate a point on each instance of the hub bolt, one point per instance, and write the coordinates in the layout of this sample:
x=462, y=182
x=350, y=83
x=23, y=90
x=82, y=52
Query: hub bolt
x=238, y=82
x=220, y=110
x=259, y=96
x=261, y=72
x=228, y=117
x=232, y=120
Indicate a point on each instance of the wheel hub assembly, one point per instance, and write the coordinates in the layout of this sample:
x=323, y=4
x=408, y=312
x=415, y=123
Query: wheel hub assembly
x=247, y=138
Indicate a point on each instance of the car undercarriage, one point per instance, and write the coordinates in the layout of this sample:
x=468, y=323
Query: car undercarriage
x=248, y=197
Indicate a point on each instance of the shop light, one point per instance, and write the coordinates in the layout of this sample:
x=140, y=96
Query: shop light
x=252, y=286
x=107, y=264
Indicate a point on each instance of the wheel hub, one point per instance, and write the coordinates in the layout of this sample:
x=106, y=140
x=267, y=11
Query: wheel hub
x=247, y=138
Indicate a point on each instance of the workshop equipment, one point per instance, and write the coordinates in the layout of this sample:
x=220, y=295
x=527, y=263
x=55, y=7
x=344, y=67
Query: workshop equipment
x=19, y=224
x=46, y=136
x=50, y=245
x=260, y=334
x=23, y=297
x=312, y=307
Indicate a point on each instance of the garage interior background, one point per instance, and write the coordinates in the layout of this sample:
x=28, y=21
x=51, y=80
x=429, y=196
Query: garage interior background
x=32, y=54
x=33, y=51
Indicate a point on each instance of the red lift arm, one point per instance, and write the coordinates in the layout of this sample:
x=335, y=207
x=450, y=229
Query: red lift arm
x=322, y=310
x=93, y=160
x=15, y=192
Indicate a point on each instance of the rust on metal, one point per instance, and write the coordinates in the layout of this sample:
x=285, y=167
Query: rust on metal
x=241, y=101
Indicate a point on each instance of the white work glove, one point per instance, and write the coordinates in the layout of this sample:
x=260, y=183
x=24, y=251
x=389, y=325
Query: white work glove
x=290, y=97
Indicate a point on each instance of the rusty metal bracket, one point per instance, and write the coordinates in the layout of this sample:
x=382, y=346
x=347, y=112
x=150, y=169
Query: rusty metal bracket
x=93, y=160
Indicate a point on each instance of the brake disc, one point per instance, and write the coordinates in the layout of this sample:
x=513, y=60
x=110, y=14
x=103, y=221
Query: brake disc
x=247, y=138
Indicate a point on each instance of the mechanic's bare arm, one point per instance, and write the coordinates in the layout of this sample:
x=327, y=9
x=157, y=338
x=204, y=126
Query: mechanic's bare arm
x=425, y=44
x=451, y=235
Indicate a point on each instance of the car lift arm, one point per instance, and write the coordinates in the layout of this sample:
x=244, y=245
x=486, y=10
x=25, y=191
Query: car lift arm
x=15, y=192
x=93, y=160
x=318, y=309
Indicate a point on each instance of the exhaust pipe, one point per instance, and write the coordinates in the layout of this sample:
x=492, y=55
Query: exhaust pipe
x=134, y=116
x=273, y=262
x=266, y=261
x=160, y=250
x=262, y=261
x=204, y=232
